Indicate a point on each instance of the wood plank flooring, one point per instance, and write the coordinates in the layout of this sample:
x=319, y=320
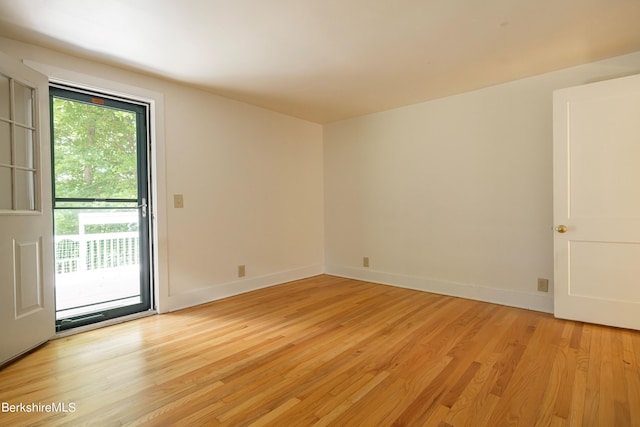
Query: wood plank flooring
x=332, y=351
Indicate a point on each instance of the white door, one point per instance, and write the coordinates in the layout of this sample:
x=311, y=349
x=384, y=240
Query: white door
x=597, y=202
x=26, y=247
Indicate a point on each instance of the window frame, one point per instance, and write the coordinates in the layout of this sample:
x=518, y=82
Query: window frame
x=35, y=189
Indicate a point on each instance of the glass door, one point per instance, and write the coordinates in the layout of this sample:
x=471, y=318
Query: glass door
x=100, y=197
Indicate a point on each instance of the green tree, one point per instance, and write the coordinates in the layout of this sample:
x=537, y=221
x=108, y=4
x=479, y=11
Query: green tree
x=94, y=155
x=95, y=151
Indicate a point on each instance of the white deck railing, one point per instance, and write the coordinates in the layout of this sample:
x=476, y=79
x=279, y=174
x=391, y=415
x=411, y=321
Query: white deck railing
x=84, y=252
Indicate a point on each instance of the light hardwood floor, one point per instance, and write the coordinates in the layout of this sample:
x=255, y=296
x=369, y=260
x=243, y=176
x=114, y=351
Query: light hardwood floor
x=333, y=351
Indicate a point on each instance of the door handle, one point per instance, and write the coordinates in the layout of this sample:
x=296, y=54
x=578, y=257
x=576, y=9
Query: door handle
x=143, y=206
x=561, y=228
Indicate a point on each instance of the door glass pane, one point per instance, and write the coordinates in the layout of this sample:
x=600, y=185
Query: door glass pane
x=97, y=260
x=23, y=102
x=5, y=143
x=24, y=147
x=4, y=97
x=25, y=190
x=95, y=151
x=5, y=188
x=18, y=149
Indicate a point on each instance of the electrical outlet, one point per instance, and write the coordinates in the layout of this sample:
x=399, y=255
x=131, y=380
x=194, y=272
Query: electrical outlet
x=241, y=271
x=365, y=261
x=543, y=285
x=178, y=201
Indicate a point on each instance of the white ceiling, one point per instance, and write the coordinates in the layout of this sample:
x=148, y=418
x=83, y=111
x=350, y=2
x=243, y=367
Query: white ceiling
x=327, y=60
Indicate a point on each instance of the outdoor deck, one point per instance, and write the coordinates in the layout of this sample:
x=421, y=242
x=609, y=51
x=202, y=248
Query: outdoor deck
x=89, y=291
x=95, y=272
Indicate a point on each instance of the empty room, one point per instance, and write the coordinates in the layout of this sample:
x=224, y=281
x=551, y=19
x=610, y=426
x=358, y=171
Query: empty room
x=307, y=213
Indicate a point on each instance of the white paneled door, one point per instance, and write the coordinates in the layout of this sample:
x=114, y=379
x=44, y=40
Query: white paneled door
x=26, y=247
x=597, y=202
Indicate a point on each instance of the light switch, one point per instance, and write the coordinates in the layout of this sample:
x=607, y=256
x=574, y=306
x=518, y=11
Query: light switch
x=178, y=201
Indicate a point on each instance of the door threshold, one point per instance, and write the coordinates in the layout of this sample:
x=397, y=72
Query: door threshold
x=104, y=323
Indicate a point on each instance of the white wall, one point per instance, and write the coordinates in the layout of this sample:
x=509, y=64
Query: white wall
x=453, y=195
x=253, y=193
x=252, y=184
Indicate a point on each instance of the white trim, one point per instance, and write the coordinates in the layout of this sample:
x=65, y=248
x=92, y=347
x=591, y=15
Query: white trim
x=528, y=300
x=215, y=292
x=157, y=161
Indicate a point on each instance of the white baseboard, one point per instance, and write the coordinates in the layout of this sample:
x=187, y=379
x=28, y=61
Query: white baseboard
x=181, y=300
x=528, y=300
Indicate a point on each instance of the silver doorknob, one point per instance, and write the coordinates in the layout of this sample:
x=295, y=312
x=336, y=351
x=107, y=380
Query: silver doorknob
x=561, y=228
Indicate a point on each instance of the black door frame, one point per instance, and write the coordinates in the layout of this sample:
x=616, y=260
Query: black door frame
x=142, y=202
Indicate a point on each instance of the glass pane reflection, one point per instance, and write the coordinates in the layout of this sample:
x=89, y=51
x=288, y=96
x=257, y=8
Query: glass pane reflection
x=23, y=103
x=24, y=147
x=25, y=190
x=4, y=97
x=5, y=143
